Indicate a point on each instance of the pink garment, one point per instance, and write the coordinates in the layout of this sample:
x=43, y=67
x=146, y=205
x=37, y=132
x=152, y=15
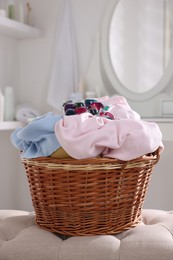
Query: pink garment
x=125, y=138
x=119, y=107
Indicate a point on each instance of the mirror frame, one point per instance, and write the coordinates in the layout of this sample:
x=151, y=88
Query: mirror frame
x=107, y=69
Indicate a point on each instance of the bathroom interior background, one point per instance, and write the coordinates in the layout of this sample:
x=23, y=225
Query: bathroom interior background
x=26, y=66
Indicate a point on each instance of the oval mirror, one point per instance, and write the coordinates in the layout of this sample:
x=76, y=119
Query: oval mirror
x=137, y=47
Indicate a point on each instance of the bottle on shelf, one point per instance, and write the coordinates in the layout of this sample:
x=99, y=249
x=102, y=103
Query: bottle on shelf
x=21, y=11
x=9, y=104
x=1, y=106
x=2, y=13
x=28, y=14
x=11, y=10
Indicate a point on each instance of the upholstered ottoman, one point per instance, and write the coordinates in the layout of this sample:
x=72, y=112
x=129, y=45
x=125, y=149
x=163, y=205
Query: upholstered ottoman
x=21, y=239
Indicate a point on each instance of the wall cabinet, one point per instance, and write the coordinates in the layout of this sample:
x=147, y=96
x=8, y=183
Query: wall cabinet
x=17, y=30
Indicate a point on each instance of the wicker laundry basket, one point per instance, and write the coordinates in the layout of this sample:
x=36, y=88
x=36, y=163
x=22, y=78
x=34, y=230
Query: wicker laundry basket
x=91, y=196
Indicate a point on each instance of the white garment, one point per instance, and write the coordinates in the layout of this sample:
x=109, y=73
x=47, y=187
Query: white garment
x=64, y=77
x=26, y=112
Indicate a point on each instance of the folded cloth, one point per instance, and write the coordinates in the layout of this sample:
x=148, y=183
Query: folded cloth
x=25, y=113
x=37, y=138
x=128, y=137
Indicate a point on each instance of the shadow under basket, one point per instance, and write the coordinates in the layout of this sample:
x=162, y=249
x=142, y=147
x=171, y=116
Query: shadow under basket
x=88, y=196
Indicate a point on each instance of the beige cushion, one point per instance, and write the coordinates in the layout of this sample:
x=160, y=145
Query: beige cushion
x=21, y=239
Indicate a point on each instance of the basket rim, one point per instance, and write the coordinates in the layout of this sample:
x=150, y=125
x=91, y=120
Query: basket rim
x=92, y=163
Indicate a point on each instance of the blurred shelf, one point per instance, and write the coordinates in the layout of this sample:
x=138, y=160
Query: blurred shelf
x=16, y=29
x=159, y=119
x=11, y=125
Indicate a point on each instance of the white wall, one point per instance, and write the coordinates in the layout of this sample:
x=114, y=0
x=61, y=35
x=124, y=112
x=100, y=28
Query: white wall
x=32, y=60
x=8, y=61
x=160, y=191
x=14, y=191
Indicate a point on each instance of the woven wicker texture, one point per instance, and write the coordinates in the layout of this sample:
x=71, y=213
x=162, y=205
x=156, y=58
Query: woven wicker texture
x=91, y=196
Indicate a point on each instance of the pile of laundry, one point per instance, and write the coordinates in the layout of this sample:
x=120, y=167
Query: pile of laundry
x=105, y=127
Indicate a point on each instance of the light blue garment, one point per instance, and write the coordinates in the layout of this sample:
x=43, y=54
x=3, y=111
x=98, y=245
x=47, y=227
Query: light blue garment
x=38, y=138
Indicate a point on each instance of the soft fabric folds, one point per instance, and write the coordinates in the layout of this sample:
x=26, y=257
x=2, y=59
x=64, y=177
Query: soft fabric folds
x=64, y=76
